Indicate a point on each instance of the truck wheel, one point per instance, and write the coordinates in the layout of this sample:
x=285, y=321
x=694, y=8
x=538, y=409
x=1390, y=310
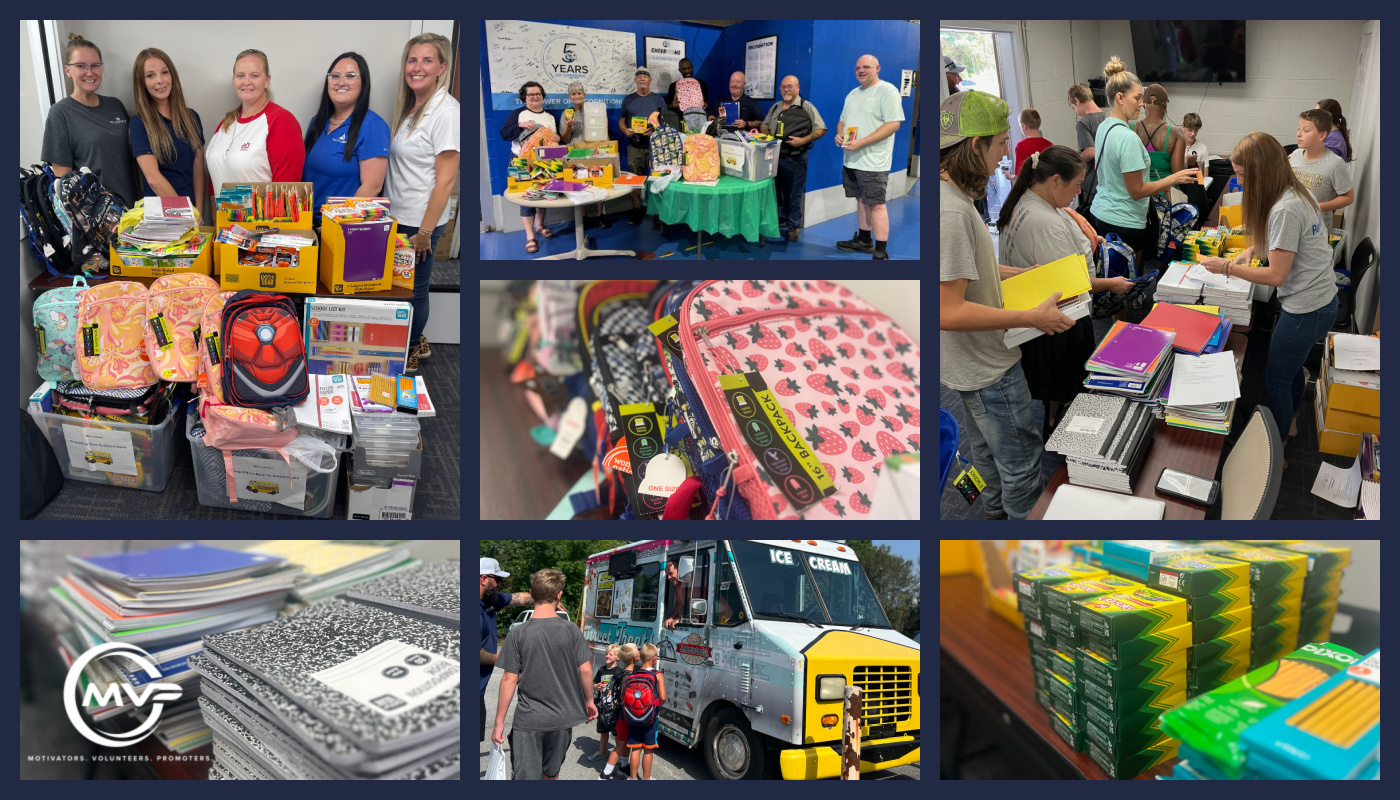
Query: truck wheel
x=733, y=752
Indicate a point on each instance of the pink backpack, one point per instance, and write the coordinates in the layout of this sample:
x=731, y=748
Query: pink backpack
x=174, y=310
x=688, y=94
x=111, y=345
x=701, y=158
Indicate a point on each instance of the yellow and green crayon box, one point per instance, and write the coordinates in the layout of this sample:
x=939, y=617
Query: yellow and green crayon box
x=1141, y=724
x=1280, y=630
x=1275, y=594
x=1268, y=566
x=1133, y=696
x=1092, y=666
x=1119, y=749
x=1198, y=575
x=1060, y=598
x=1233, y=648
x=1029, y=583
x=1210, y=605
x=1322, y=558
x=1288, y=601
x=1071, y=733
x=1222, y=625
x=1323, y=590
x=1214, y=675
x=1116, y=618
x=1131, y=765
x=1212, y=723
x=1143, y=648
x=1062, y=664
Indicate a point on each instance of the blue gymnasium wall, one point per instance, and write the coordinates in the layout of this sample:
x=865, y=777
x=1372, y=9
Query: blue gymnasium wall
x=822, y=54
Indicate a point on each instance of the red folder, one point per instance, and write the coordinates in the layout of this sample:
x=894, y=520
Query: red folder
x=1193, y=328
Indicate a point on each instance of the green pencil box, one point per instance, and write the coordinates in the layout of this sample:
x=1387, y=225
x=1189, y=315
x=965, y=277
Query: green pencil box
x=1061, y=597
x=1136, y=651
x=1116, y=618
x=1066, y=729
x=1093, y=666
x=1198, y=575
x=1211, y=605
x=1218, y=627
x=1129, y=723
x=1131, y=765
x=1268, y=566
x=1029, y=583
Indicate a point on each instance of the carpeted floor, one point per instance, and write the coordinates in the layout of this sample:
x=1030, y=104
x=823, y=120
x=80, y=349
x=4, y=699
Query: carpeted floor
x=438, y=495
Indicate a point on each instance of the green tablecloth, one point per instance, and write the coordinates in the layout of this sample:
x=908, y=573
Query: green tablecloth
x=733, y=207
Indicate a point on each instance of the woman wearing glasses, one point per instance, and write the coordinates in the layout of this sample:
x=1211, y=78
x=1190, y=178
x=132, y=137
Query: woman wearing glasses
x=85, y=130
x=347, y=145
x=259, y=140
x=526, y=118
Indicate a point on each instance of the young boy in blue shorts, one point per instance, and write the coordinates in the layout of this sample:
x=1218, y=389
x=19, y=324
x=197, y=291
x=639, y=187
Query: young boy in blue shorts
x=641, y=736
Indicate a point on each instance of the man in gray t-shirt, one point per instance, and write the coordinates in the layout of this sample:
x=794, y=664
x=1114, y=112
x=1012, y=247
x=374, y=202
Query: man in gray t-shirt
x=1296, y=226
x=77, y=136
x=969, y=360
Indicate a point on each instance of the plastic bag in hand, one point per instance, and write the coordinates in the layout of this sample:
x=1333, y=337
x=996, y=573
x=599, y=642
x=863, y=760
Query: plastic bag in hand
x=496, y=765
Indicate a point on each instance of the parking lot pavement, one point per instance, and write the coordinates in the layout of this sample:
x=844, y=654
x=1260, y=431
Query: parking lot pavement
x=671, y=761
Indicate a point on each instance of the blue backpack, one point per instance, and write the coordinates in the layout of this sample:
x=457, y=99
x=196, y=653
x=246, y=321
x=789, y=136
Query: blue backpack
x=56, y=330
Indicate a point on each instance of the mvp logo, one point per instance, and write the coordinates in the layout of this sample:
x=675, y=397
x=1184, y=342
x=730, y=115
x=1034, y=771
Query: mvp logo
x=159, y=693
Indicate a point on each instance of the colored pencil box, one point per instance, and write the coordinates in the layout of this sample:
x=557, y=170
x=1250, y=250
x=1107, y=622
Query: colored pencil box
x=1212, y=605
x=1136, y=651
x=1061, y=597
x=1030, y=582
x=1268, y=566
x=1234, y=647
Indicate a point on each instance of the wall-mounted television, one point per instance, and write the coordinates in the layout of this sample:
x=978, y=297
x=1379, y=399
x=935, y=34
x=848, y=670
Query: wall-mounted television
x=1189, y=51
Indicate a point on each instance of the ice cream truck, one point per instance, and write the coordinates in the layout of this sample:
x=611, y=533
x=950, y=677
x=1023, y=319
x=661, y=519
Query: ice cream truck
x=757, y=641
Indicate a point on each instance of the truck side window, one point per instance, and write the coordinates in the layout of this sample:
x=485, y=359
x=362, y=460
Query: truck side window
x=729, y=608
x=699, y=589
x=645, y=592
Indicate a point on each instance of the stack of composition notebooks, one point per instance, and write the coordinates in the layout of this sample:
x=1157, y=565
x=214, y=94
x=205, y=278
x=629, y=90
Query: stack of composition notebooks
x=329, y=567
x=163, y=600
x=1132, y=361
x=338, y=690
x=1104, y=439
x=1069, y=276
x=432, y=592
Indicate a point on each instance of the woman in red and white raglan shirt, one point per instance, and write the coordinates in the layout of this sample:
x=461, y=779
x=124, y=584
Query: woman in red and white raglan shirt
x=259, y=140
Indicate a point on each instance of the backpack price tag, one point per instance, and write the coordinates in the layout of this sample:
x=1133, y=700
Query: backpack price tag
x=161, y=329
x=571, y=427
x=92, y=341
x=39, y=336
x=778, y=446
x=970, y=484
x=668, y=331
x=645, y=435
x=211, y=342
x=664, y=475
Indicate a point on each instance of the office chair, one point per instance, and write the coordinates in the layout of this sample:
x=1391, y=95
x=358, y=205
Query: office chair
x=1368, y=292
x=1246, y=490
x=1363, y=259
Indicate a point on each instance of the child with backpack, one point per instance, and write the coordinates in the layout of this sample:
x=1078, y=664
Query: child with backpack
x=628, y=656
x=604, y=697
x=642, y=693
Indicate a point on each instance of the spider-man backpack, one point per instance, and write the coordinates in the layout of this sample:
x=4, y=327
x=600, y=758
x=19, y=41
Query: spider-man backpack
x=266, y=360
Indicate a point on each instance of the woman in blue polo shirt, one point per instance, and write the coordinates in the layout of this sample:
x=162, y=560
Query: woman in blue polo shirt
x=167, y=137
x=347, y=145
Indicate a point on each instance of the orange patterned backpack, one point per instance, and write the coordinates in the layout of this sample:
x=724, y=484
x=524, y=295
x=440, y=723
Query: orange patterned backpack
x=701, y=158
x=174, y=310
x=111, y=342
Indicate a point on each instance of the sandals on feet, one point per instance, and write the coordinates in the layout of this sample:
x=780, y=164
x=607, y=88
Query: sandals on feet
x=546, y=233
x=532, y=246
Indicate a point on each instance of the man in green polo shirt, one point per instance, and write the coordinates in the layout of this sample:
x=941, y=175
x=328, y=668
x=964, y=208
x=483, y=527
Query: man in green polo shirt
x=873, y=111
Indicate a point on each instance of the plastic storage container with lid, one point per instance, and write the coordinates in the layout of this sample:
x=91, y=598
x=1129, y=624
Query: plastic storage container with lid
x=212, y=487
x=116, y=453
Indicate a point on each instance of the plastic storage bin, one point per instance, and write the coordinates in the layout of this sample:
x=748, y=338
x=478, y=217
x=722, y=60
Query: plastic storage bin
x=115, y=453
x=212, y=486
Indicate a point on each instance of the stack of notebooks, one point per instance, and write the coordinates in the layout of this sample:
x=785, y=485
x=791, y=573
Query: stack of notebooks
x=1234, y=295
x=329, y=567
x=1104, y=439
x=1207, y=388
x=1069, y=276
x=431, y=592
x=339, y=690
x=163, y=601
x=1177, y=286
x=1322, y=589
x=1194, y=329
x=1133, y=361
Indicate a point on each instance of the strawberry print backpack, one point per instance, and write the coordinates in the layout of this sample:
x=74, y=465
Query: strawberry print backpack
x=701, y=158
x=56, y=329
x=111, y=342
x=174, y=310
x=845, y=376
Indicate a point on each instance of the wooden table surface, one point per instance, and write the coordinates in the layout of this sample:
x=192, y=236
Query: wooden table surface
x=998, y=656
x=1192, y=451
x=519, y=478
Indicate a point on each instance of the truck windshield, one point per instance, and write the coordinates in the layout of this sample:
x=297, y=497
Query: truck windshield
x=781, y=581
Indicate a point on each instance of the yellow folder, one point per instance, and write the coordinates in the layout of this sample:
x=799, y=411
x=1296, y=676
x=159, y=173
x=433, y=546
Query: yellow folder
x=1207, y=309
x=1069, y=276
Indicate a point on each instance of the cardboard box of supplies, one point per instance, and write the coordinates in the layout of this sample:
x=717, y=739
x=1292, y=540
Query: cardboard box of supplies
x=128, y=263
x=260, y=188
x=1347, y=390
x=1335, y=418
x=1334, y=443
x=347, y=264
x=234, y=276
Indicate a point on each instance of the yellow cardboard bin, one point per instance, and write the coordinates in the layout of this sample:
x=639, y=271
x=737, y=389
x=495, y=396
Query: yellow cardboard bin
x=1342, y=420
x=332, y=269
x=1335, y=443
x=1231, y=216
x=1350, y=391
x=142, y=266
x=302, y=223
x=301, y=278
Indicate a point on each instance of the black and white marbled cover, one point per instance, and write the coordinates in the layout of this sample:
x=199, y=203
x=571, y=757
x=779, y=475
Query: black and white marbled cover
x=224, y=725
x=287, y=651
x=218, y=772
x=434, y=589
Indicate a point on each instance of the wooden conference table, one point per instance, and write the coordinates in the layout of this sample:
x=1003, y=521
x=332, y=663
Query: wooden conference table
x=985, y=662
x=1192, y=451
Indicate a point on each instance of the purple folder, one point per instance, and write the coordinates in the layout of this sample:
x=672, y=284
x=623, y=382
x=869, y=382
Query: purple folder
x=1133, y=350
x=366, y=250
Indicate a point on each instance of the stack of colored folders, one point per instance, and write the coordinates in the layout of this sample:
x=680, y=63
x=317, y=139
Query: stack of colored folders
x=1069, y=276
x=1194, y=329
x=1230, y=733
x=1133, y=361
x=1055, y=688
x=1217, y=594
x=1322, y=589
x=1131, y=667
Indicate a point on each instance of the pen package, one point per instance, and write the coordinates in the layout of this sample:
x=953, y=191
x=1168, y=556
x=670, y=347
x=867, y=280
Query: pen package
x=1198, y=575
x=1116, y=618
x=1203, y=630
x=1268, y=566
x=1210, y=605
x=1060, y=598
x=1136, y=651
x=1331, y=733
x=1028, y=583
x=1212, y=723
x=1234, y=647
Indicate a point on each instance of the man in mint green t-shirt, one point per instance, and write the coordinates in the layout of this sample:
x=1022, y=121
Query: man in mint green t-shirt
x=872, y=113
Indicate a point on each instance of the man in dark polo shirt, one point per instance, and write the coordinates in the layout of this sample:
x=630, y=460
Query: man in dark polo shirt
x=491, y=602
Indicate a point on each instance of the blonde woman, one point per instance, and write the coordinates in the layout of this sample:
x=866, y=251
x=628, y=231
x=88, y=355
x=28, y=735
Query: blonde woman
x=87, y=130
x=572, y=125
x=424, y=159
x=167, y=137
x=259, y=140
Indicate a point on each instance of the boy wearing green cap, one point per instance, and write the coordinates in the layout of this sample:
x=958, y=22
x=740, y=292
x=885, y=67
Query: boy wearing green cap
x=1005, y=444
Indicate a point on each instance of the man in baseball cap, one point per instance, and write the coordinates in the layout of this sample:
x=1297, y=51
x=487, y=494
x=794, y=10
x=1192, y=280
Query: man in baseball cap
x=952, y=71
x=971, y=113
x=492, y=601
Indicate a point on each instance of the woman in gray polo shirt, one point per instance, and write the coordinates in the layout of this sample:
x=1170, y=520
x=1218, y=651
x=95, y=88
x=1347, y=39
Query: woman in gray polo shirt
x=1281, y=210
x=85, y=130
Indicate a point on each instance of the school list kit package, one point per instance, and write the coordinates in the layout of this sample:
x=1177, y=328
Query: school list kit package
x=355, y=337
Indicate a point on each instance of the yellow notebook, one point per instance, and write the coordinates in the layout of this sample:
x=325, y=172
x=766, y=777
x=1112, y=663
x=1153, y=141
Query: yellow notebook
x=1207, y=309
x=319, y=556
x=1069, y=276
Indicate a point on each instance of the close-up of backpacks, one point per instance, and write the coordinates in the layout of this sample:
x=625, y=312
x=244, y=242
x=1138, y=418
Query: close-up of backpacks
x=111, y=342
x=47, y=234
x=56, y=330
x=92, y=213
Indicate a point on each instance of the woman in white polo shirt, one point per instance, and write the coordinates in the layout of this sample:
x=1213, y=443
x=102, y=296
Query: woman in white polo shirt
x=424, y=157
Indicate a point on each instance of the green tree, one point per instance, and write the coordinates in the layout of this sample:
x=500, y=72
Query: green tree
x=895, y=580
x=523, y=558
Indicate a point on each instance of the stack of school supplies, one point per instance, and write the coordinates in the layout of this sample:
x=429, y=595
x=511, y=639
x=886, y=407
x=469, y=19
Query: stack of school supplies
x=1194, y=329
x=1322, y=588
x=284, y=203
x=160, y=226
x=1053, y=690
x=1212, y=727
x=1133, y=361
x=1104, y=439
x=1214, y=417
x=1131, y=667
x=1069, y=276
x=1217, y=594
x=1132, y=558
x=1276, y=579
x=1234, y=295
x=1331, y=733
x=359, y=211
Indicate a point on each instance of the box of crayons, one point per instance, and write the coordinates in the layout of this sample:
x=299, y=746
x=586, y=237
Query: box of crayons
x=1060, y=598
x=1233, y=648
x=1029, y=583
x=1210, y=605
x=1131, y=765
x=1092, y=666
x=1136, y=651
x=1117, y=618
x=1269, y=566
x=1198, y=575
x=281, y=204
x=1222, y=625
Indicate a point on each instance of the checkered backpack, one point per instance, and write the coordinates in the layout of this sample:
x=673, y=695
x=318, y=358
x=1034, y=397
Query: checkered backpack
x=667, y=148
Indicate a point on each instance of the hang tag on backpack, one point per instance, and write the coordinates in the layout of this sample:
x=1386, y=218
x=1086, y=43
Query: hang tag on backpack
x=571, y=428
x=92, y=341
x=775, y=441
x=161, y=329
x=970, y=484
x=664, y=475
x=668, y=331
x=645, y=434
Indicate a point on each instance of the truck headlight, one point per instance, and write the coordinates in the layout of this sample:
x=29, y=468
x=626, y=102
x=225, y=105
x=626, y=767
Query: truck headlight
x=831, y=687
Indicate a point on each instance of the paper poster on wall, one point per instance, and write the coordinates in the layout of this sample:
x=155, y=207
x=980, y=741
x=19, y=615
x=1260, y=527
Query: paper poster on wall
x=93, y=450
x=906, y=83
x=622, y=599
x=760, y=67
x=663, y=57
x=556, y=55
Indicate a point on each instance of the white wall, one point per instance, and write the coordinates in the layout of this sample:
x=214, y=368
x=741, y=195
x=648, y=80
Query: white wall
x=1363, y=218
x=1361, y=584
x=31, y=135
x=1051, y=67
